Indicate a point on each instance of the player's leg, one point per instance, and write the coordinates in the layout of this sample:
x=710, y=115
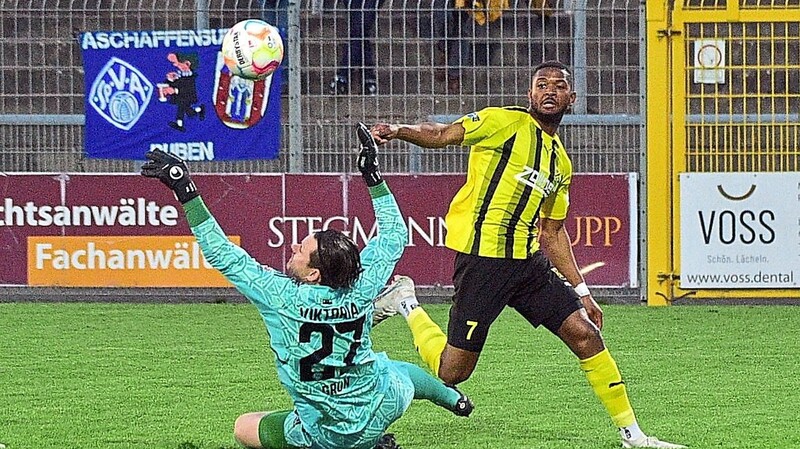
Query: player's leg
x=401, y=297
x=583, y=338
x=586, y=342
x=262, y=430
x=552, y=303
x=432, y=389
x=456, y=364
x=429, y=340
x=482, y=286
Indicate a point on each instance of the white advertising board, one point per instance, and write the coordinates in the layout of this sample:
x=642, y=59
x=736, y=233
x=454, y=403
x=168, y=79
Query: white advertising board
x=740, y=230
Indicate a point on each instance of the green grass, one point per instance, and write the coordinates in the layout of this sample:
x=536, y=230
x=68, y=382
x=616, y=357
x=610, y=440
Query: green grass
x=117, y=376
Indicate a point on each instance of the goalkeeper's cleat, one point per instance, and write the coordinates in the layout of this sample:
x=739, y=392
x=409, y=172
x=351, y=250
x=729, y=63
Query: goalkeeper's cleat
x=652, y=442
x=464, y=405
x=387, y=441
x=399, y=296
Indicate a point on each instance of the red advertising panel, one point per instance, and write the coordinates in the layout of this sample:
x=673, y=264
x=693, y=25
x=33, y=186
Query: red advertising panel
x=24, y=200
x=424, y=201
x=117, y=206
x=602, y=226
x=66, y=229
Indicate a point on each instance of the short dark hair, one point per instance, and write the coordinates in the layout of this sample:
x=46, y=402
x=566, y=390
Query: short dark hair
x=336, y=258
x=552, y=64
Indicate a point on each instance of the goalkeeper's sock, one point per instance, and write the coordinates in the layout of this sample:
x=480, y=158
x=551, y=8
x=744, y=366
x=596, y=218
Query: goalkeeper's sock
x=428, y=387
x=428, y=338
x=607, y=383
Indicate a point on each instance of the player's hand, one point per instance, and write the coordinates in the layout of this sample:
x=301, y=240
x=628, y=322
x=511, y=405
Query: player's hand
x=368, y=156
x=383, y=132
x=173, y=172
x=593, y=310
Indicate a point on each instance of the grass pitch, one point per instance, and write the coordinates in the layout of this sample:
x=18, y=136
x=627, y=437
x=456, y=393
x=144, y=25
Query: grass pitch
x=119, y=376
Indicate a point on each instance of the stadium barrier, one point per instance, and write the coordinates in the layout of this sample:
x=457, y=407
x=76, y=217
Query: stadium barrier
x=41, y=95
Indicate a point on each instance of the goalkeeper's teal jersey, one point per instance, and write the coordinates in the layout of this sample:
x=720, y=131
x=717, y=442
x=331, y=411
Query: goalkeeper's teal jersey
x=320, y=336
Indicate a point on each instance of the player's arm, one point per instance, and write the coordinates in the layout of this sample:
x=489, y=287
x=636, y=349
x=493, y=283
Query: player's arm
x=484, y=130
x=426, y=135
x=381, y=254
x=555, y=241
x=242, y=270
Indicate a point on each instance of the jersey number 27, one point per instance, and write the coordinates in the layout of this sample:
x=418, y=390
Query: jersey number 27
x=326, y=332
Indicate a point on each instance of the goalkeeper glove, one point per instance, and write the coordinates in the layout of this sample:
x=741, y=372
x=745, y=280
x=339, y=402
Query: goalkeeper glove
x=172, y=172
x=368, y=157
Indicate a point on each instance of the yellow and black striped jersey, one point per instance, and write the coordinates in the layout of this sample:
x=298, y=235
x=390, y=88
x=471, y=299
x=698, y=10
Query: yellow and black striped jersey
x=516, y=173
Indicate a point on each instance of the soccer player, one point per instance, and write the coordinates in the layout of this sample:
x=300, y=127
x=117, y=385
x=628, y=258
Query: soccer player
x=319, y=316
x=515, y=200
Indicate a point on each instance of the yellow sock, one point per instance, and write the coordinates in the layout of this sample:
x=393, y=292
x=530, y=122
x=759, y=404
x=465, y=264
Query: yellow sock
x=428, y=338
x=606, y=381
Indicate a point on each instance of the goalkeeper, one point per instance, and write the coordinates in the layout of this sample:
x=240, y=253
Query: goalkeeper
x=344, y=394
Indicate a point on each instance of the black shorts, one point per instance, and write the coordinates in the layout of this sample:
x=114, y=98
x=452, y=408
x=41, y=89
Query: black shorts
x=484, y=286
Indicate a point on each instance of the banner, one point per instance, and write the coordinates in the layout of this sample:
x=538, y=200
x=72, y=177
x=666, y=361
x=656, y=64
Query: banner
x=120, y=261
x=740, y=230
x=170, y=90
x=122, y=230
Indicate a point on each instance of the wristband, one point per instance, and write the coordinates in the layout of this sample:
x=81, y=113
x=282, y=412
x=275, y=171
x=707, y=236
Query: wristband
x=582, y=290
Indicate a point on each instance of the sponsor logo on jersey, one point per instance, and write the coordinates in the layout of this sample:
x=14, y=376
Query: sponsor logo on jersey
x=534, y=179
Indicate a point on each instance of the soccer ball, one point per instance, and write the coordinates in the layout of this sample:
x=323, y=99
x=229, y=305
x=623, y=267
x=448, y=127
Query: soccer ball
x=252, y=49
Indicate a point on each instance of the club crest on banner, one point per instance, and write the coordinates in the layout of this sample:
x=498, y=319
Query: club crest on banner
x=120, y=93
x=240, y=103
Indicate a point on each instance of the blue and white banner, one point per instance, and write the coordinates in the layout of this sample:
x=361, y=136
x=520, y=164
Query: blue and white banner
x=170, y=90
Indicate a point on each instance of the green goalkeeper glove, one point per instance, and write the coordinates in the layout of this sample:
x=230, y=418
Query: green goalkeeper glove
x=368, y=156
x=173, y=172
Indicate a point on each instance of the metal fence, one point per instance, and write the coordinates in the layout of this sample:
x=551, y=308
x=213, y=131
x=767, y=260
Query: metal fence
x=420, y=48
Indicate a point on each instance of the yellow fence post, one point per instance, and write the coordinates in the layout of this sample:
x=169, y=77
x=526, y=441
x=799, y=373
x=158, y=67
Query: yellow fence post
x=744, y=122
x=659, y=198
